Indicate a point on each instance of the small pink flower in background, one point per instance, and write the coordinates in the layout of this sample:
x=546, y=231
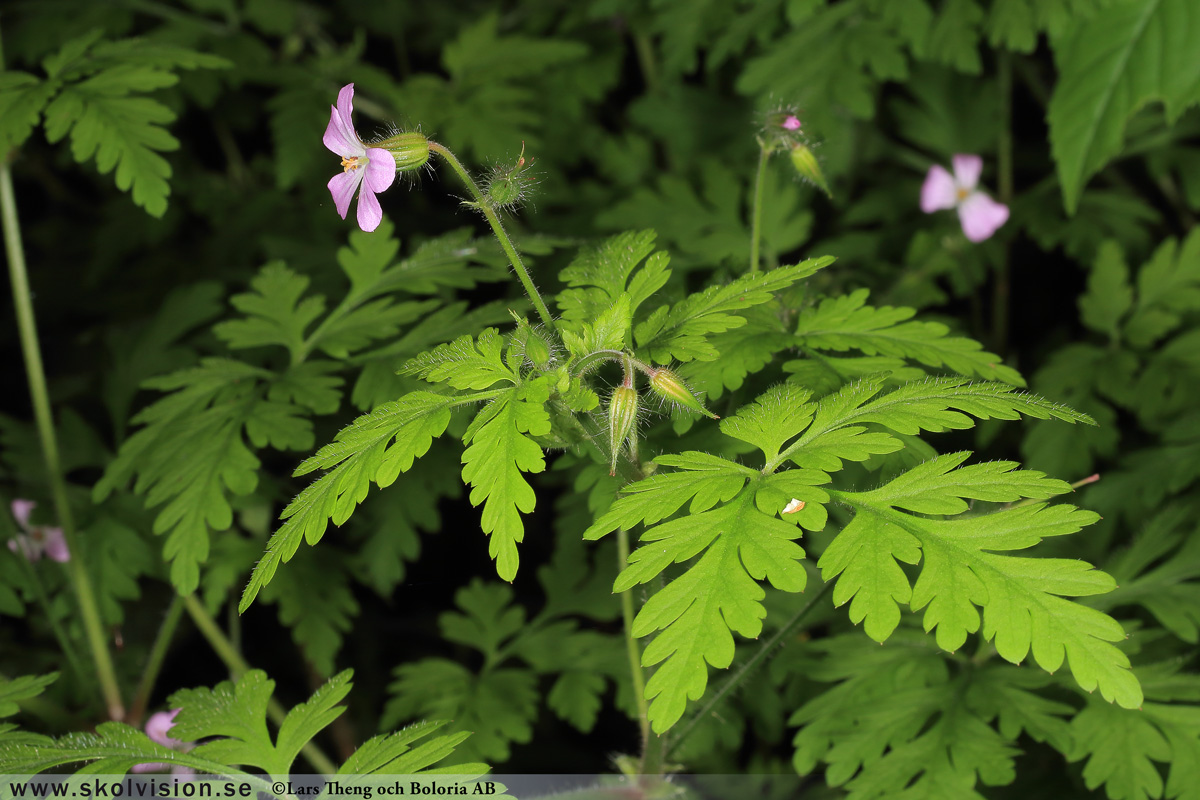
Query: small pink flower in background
x=37, y=540
x=979, y=214
x=21, y=509
x=791, y=123
x=158, y=729
x=372, y=168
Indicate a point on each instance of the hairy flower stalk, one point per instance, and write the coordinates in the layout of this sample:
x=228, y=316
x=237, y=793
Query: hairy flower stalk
x=781, y=132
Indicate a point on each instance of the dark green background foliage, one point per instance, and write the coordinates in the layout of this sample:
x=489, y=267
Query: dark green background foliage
x=369, y=446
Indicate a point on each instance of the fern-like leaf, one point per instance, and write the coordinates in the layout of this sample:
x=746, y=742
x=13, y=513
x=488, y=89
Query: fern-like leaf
x=498, y=452
x=846, y=322
x=680, y=332
x=375, y=447
x=965, y=567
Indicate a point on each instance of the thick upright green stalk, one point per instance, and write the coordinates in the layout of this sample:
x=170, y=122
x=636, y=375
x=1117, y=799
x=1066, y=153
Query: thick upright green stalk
x=40, y=397
x=493, y=219
x=756, y=210
x=238, y=667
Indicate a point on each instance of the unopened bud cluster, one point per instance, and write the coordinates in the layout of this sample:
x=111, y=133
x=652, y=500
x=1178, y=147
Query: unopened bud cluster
x=623, y=405
x=783, y=131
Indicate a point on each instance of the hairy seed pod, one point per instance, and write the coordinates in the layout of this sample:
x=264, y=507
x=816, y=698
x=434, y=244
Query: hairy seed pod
x=667, y=385
x=622, y=422
x=806, y=164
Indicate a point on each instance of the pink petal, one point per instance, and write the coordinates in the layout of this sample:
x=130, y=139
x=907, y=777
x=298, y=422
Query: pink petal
x=55, y=545
x=369, y=212
x=967, y=169
x=160, y=724
x=338, y=139
x=380, y=169
x=21, y=509
x=980, y=216
x=139, y=768
x=345, y=105
x=939, y=191
x=343, y=186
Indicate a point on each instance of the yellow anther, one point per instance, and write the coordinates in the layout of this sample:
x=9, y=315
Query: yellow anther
x=351, y=162
x=963, y=194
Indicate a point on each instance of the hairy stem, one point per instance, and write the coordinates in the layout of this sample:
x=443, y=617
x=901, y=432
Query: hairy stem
x=593, y=359
x=39, y=396
x=746, y=669
x=756, y=210
x=493, y=219
x=237, y=667
x=154, y=661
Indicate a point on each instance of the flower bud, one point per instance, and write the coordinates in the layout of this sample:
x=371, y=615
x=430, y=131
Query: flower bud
x=537, y=350
x=411, y=150
x=782, y=120
x=622, y=422
x=667, y=385
x=806, y=164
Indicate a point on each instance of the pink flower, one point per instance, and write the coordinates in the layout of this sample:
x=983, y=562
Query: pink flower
x=979, y=214
x=372, y=168
x=157, y=728
x=790, y=123
x=37, y=540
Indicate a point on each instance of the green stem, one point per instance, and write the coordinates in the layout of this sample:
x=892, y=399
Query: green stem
x=747, y=668
x=39, y=591
x=756, y=210
x=645, y=57
x=239, y=667
x=631, y=646
x=1004, y=161
x=154, y=661
x=493, y=219
x=40, y=397
x=654, y=753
